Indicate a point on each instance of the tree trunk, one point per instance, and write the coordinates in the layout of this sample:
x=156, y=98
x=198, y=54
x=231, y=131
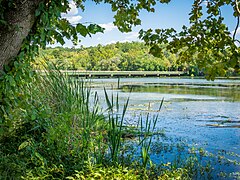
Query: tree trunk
x=21, y=19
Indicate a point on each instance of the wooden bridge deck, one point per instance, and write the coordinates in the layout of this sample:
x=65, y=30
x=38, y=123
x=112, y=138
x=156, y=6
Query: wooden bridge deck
x=77, y=73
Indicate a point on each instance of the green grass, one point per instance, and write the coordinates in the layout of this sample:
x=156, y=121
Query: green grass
x=51, y=124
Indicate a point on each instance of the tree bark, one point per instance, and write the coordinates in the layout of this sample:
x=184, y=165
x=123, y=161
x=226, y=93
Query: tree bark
x=20, y=20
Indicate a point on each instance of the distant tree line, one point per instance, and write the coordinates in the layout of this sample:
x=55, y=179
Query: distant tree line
x=128, y=56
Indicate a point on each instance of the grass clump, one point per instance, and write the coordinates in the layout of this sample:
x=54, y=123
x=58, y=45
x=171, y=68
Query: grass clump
x=50, y=124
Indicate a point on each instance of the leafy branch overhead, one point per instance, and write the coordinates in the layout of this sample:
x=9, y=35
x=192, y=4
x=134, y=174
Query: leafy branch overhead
x=207, y=36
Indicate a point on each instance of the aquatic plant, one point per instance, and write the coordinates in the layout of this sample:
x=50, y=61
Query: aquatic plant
x=146, y=130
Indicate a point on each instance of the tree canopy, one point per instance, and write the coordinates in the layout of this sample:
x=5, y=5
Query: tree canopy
x=128, y=56
x=206, y=36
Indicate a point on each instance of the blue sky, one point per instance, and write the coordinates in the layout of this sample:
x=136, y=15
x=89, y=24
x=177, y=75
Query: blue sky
x=174, y=14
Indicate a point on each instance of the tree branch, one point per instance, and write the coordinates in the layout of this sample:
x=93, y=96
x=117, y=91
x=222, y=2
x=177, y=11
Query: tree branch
x=236, y=40
x=236, y=28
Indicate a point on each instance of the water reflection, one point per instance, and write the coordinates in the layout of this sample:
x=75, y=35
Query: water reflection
x=229, y=93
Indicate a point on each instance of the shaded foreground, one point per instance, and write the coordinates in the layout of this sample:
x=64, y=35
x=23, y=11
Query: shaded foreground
x=54, y=129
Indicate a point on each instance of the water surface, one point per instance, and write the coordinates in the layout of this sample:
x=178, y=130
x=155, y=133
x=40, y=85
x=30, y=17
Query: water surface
x=203, y=113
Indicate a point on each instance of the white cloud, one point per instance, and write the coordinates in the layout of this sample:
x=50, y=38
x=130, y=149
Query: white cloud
x=73, y=10
x=108, y=26
x=237, y=32
x=111, y=42
x=74, y=19
x=237, y=36
x=72, y=15
x=237, y=44
x=123, y=41
x=132, y=35
x=114, y=42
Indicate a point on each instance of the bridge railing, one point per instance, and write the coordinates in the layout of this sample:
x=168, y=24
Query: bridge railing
x=79, y=73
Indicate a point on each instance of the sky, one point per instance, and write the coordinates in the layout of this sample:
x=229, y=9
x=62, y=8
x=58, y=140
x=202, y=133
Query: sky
x=174, y=14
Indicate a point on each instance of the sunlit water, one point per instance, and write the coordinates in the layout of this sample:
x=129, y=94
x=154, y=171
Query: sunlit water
x=202, y=113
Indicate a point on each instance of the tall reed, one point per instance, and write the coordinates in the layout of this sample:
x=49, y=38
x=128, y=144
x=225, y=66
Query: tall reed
x=61, y=119
x=115, y=122
x=74, y=116
x=147, y=130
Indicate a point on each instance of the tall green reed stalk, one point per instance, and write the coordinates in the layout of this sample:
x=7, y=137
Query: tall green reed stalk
x=147, y=130
x=115, y=122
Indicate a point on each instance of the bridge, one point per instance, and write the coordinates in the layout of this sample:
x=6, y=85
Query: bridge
x=78, y=73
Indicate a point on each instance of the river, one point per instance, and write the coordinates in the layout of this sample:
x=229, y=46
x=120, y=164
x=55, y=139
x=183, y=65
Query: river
x=205, y=114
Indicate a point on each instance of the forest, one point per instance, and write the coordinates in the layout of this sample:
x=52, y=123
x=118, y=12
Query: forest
x=128, y=56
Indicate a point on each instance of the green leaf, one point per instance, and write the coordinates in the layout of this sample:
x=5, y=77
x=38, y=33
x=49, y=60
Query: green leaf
x=156, y=51
x=94, y=28
x=3, y=22
x=37, y=12
x=33, y=117
x=24, y=145
x=82, y=30
x=39, y=9
x=165, y=1
x=60, y=39
x=11, y=81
